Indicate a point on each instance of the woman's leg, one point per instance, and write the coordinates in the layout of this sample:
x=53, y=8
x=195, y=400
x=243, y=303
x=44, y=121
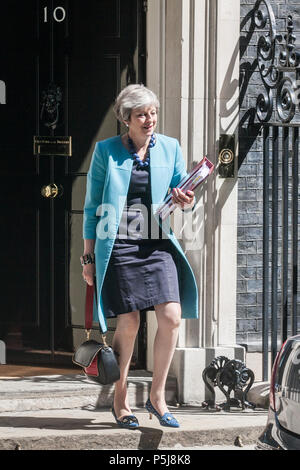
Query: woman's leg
x=168, y=319
x=123, y=344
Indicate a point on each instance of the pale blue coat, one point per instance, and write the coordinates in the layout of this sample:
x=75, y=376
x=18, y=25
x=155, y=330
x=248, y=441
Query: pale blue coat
x=107, y=186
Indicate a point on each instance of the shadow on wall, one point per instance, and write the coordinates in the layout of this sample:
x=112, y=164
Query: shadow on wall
x=249, y=128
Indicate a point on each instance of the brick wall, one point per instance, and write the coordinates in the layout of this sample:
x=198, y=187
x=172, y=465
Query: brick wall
x=250, y=174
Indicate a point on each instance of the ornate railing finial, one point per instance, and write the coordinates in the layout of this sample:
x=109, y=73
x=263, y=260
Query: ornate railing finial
x=288, y=57
x=276, y=56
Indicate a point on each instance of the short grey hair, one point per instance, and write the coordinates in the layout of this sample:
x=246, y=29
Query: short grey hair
x=133, y=97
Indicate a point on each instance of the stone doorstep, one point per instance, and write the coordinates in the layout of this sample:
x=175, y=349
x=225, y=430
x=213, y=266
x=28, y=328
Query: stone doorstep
x=74, y=396
x=79, y=429
x=136, y=440
x=73, y=391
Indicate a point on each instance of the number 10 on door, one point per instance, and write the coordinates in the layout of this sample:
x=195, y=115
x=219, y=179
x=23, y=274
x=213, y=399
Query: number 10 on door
x=59, y=14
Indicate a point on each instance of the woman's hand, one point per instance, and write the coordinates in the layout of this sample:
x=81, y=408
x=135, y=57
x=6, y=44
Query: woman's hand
x=88, y=273
x=185, y=200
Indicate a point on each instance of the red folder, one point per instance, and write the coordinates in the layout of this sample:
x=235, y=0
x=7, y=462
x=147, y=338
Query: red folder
x=189, y=183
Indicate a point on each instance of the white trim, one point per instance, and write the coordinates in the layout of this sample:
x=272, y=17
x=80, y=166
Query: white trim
x=156, y=81
x=193, y=67
x=155, y=69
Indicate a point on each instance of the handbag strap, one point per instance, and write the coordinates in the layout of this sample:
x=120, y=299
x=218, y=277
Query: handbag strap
x=89, y=304
x=89, y=309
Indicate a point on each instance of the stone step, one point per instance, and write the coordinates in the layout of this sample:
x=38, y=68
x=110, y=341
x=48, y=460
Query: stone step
x=74, y=391
x=83, y=429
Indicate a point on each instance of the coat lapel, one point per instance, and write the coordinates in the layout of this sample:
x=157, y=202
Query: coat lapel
x=122, y=159
x=160, y=173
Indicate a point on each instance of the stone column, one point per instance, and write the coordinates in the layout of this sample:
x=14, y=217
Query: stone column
x=196, y=75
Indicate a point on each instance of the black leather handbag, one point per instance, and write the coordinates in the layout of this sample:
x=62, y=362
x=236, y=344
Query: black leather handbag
x=98, y=360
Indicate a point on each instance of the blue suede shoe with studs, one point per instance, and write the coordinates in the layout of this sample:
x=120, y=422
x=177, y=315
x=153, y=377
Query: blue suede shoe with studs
x=128, y=422
x=165, y=420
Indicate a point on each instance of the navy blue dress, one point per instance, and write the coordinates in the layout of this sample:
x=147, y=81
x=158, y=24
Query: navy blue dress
x=141, y=272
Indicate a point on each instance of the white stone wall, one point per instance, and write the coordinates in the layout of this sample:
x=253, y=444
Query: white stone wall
x=193, y=65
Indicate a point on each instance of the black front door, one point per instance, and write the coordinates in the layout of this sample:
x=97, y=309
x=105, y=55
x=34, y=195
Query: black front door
x=62, y=63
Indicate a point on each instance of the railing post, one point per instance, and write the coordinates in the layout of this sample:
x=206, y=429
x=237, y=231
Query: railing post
x=285, y=233
x=266, y=235
x=295, y=183
x=274, y=296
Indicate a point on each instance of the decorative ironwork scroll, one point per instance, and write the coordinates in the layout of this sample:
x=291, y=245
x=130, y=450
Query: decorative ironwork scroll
x=229, y=376
x=279, y=67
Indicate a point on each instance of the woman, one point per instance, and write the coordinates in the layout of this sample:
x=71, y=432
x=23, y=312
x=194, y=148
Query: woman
x=138, y=265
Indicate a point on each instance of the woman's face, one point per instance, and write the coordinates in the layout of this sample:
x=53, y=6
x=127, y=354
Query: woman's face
x=143, y=121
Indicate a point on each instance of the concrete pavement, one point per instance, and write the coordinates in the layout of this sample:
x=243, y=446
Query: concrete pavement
x=96, y=429
x=70, y=412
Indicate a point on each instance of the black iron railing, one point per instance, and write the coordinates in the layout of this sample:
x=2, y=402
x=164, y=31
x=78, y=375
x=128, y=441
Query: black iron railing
x=278, y=112
x=273, y=135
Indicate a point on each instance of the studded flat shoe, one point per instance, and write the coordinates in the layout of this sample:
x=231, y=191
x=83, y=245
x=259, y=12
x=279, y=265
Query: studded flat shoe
x=128, y=422
x=165, y=420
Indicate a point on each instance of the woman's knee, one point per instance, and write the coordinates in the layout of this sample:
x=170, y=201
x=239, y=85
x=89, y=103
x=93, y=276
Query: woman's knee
x=174, y=322
x=169, y=315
